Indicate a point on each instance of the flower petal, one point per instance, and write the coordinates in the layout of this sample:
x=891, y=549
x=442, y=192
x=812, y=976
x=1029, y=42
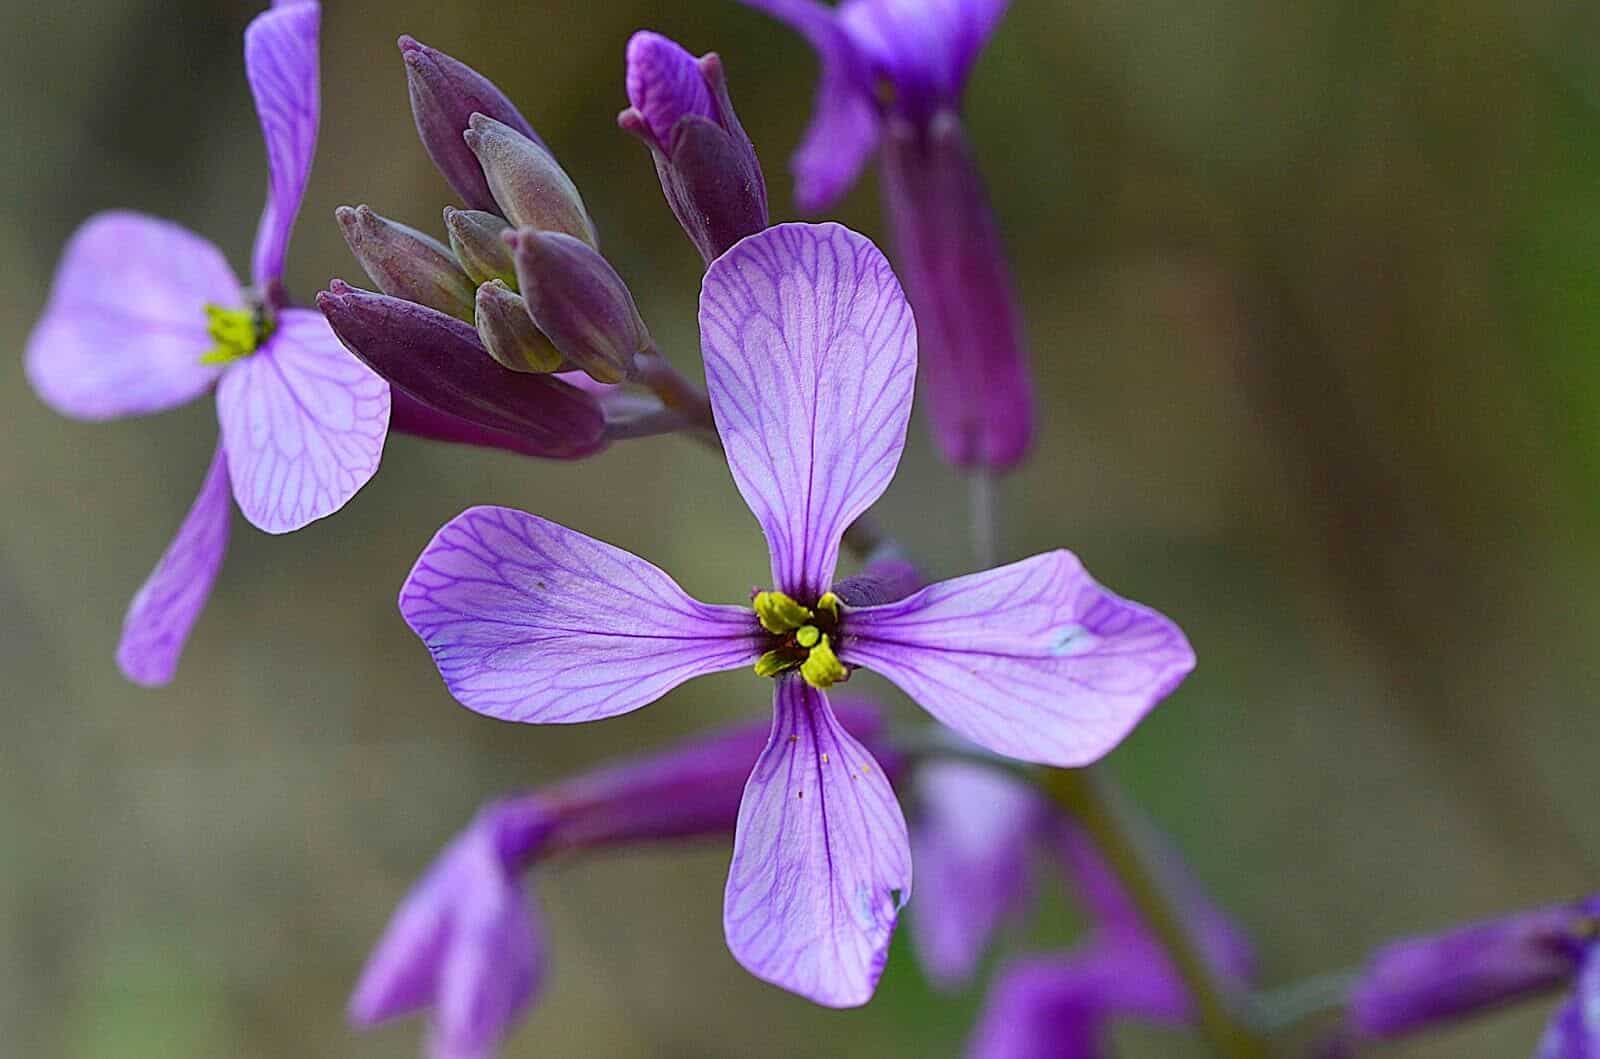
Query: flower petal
x=280, y=60
x=1033, y=660
x=125, y=328
x=844, y=128
x=821, y=861
x=810, y=355
x=166, y=606
x=304, y=423
x=925, y=48
x=1574, y=1030
x=970, y=845
x=530, y=621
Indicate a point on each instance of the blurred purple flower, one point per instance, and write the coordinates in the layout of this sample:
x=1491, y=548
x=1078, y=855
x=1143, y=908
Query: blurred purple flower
x=145, y=315
x=464, y=942
x=947, y=242
x=810, y=354
x=1424, y=982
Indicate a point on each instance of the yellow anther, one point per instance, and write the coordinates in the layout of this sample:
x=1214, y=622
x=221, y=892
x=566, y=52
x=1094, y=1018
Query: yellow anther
x=822, y=668
x=807, y=636
x=829, y=604
x=235, y=331
x=772, y=663
x=779, y=614
x=824, y=757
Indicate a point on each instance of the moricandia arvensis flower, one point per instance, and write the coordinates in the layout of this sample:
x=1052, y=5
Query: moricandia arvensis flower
x=145, y=315
x=810, y=357
x=893, y=72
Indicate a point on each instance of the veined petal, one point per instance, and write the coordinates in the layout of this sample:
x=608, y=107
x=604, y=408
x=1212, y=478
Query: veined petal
x=125, y=327
x=304, y=423
x=166, y=606
x=844, y=127
x=1033, y=660
x=1574, y=1029
x=530, y=621
x=925, y=48
x=280, y=60
x=810, y=355
x=821, y=861
x=970, y=844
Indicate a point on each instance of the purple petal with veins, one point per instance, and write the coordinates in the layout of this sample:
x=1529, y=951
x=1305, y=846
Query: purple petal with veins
x=166, y=606
x=125, y=327
x=664, y=83
x=810, y=355
x=1033, y=660
x=821, y=861
x=530, y=621
x=304, y=423
x=844, y=127
x=280, y=58
x=924, y=48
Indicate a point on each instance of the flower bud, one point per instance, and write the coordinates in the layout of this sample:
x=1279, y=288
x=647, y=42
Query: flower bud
x=476, y=239
x=440, y=361
x=531, y=188
x=404, y=263
x=579, y=301
x=508, y=331
x=445, y=94
x=707, y=166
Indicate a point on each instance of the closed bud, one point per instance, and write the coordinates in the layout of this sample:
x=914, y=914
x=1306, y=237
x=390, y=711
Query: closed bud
x=509, y=334
x=445, y=93
x=528, y=184
x=476, y=238
x=404, y=263
x=706, y=163
x=578, y=300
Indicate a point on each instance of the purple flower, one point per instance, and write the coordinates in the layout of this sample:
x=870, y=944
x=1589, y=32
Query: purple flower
x=1423, y=982
x=810, y=355
x=946, y=240
x=464, y=942
x=145, y=315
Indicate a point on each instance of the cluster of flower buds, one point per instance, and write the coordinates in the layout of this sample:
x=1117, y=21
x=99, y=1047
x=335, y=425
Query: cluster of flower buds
x=515, y=331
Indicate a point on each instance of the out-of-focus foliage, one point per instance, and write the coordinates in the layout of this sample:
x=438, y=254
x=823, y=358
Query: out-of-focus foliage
x=1314, y=296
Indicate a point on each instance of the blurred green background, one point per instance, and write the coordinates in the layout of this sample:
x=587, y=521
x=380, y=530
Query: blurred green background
x=1313, y=296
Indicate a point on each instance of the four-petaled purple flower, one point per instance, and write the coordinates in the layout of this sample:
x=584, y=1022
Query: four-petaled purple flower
x=145, y=315
x=1424, y=982
x=810, y=356
x=893, y=72
x=464, y=942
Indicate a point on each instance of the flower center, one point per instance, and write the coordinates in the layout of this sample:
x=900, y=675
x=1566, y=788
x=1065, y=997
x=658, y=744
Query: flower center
x=237, y=332
x=804, y=638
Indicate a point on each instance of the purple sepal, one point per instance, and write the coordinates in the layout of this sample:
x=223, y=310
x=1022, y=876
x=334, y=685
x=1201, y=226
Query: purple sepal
x=527, y=182
x=445, y=93
x=405, y=263
x=578, y=300
x=1420, y=982
x=706, y=163
x=508, y=332
x=949, y=253
x=477, y=243
x=440, y=361
x=886, y=577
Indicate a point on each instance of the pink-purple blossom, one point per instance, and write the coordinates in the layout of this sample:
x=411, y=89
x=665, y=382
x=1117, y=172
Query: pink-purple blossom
x=144, y=315
x=810, y=356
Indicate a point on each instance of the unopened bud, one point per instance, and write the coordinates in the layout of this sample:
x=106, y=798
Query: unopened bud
x=477, y=240
x=445, y=93
x=708, y=168
x=578, y=300
x=404, y=263
x=531, y=188
x=509, y=334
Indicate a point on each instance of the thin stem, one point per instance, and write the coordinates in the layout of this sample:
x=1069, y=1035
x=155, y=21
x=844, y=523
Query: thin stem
x=1088, y=796
x=1284, y=1007
x=676, y=392
x=980, y=493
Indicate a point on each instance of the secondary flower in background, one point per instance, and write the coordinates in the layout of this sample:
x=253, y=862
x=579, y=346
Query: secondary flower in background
x=1425, y=982
x=465, y=943
x=145, y=315
x=810, y=358
x=892, y=76
x=681, y=110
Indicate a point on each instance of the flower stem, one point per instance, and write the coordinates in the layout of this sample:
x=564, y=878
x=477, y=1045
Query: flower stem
x=1088, y=796
x=980, y=494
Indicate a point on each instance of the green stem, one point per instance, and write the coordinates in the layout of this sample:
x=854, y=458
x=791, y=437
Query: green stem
x=1088, y=796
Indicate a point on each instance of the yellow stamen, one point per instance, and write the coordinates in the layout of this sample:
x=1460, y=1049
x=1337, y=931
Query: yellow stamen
x=772, y=663
x=807, y=636
x=236, y=331
x=780, y=614
x=829, y=604
x=822, y=668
